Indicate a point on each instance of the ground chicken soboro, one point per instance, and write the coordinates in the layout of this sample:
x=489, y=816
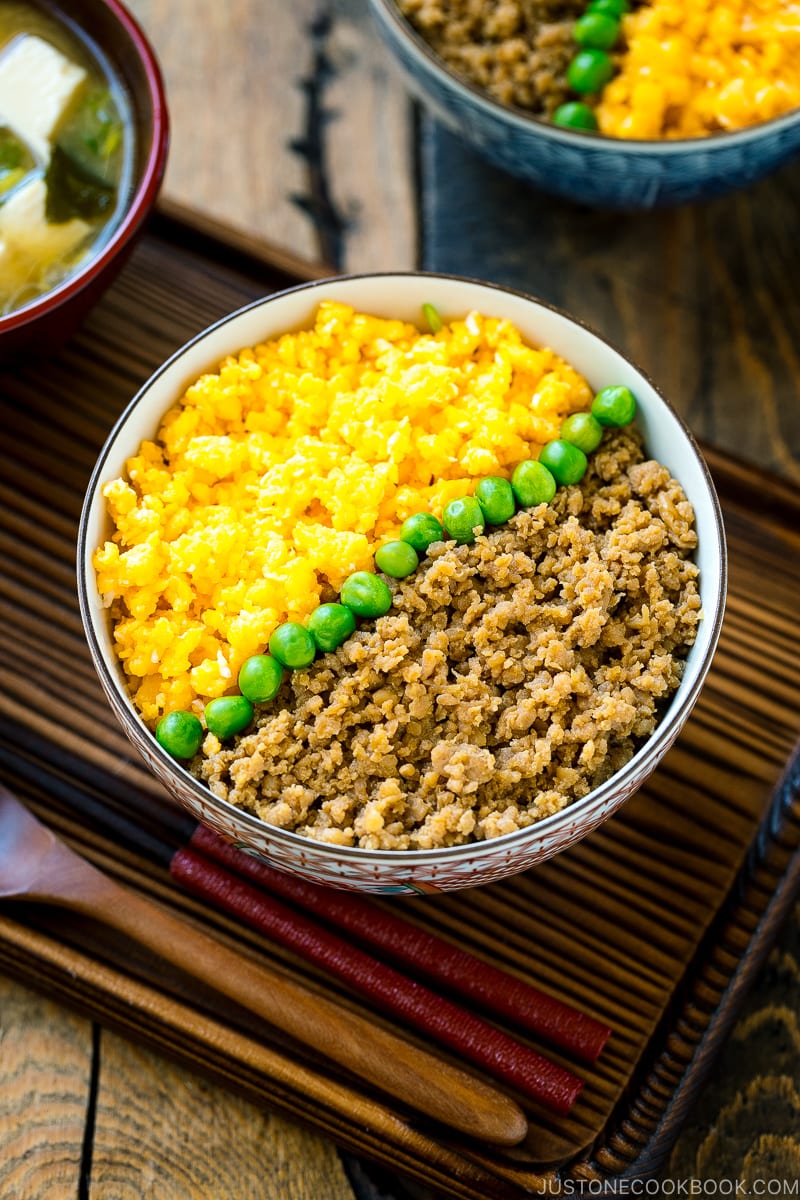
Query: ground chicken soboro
x=509, y=679
x=518, y=50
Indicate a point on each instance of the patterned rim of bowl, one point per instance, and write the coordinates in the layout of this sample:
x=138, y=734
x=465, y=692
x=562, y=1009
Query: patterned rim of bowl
x=388, y=11
x=143, y=197
x=576, y=814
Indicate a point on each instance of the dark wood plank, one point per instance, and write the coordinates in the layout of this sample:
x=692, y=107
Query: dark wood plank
x=161, y=1130
x=42, y=1154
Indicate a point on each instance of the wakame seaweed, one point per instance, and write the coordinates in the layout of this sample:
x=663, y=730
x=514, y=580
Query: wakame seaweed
x=72, y=191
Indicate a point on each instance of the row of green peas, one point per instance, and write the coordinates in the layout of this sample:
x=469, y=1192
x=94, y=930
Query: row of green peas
x=596, y=32
x=365, y=595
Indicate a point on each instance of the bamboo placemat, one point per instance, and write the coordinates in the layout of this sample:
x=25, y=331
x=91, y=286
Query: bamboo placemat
x=655, y=923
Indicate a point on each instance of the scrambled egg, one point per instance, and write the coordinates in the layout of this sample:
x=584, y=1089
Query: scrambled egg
x=694, y=67
x=273, y=479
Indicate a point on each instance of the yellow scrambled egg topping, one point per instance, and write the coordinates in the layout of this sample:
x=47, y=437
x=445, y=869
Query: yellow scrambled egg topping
x=282, y=472
x=694, y=67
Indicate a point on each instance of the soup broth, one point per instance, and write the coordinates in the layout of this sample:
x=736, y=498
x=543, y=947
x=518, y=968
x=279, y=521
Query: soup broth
x=65, y=151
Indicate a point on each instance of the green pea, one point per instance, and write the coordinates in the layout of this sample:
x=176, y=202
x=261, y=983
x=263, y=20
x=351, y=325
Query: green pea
x=582, y=430
x=496, y=498
x=180, y=734
x=565, y=462
x=532, y=483
x=462, y=517
x=367, y=595
x=431, y=315
x=330, y=625
x=421, y=530
x=228, y=715
x=293, y=645
x=575, y=115
x=260, y=678
x=596, y=31
x=397, y=559
x=612, y=8
x=614, y=406
x=589, y=71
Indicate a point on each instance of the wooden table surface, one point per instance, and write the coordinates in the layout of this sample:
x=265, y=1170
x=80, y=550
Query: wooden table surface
x=290, y=125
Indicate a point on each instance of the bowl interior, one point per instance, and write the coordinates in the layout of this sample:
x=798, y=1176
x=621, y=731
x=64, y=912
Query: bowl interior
x=399, y=295
x=119, y=45
x=399, y=31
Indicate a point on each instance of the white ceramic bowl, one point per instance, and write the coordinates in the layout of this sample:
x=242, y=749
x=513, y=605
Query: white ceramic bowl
x=400, y=295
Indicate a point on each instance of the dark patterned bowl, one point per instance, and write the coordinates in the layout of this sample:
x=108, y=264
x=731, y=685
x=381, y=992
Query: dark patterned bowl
x=44, y=324
x=583, y=167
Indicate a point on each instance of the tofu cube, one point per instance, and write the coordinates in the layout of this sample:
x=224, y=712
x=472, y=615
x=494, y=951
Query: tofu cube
x=28, y=243
x=37, y=83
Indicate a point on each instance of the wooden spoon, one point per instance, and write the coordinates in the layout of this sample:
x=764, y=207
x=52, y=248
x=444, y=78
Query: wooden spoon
x=36, y=866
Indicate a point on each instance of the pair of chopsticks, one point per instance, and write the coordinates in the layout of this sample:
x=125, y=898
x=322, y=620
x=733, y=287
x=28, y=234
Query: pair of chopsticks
x=315, y=923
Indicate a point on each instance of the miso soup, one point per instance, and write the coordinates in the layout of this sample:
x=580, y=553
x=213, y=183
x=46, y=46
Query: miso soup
x=65, y=151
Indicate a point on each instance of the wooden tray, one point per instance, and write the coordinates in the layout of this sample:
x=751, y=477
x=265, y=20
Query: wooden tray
x=656, y=923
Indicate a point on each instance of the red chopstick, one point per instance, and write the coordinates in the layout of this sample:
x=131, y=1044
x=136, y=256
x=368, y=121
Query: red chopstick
x=474, y=1039
x=432, y=957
